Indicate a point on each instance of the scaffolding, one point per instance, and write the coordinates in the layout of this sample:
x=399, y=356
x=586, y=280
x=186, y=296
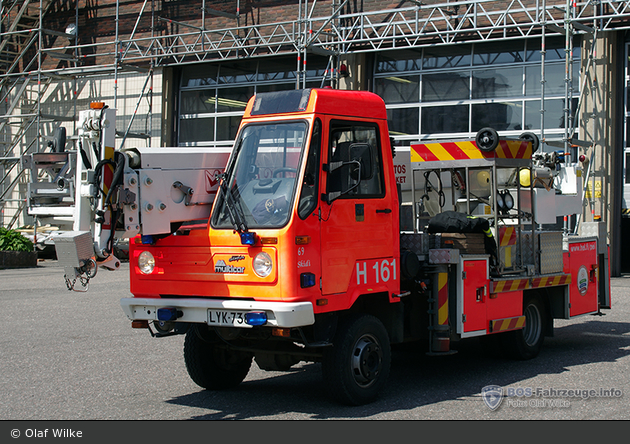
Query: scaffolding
x=34, y=57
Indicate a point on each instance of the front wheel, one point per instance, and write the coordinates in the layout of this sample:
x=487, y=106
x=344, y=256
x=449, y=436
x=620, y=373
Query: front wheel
x=214, y=367
x=356, y=368
x=526, y=343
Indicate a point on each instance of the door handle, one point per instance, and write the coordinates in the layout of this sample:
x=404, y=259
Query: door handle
x=385, y=211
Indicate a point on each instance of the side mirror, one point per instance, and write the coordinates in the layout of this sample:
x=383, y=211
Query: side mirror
x=338, y=177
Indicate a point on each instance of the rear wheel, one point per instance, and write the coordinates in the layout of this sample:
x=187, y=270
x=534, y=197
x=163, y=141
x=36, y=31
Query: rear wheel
x=356, y=368
x=214, y=367
x=526, y=343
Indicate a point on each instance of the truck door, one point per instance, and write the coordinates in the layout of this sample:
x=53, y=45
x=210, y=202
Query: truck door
x=357, y=225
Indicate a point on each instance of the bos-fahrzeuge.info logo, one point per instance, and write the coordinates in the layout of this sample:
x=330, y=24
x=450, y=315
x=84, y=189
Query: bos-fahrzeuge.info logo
x=493, y=396
x=222, y=267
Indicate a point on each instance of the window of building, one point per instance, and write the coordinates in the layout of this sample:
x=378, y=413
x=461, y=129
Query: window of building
x=453, y=91
x=213, y=96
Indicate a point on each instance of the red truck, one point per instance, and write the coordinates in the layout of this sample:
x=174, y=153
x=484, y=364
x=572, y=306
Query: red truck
x=309, y=255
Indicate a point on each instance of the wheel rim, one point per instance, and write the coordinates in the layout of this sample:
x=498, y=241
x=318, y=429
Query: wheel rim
x=367, y=361
x=533, y=325
x=487, y=139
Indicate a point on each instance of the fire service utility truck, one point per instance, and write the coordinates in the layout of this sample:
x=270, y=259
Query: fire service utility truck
x=297, y=247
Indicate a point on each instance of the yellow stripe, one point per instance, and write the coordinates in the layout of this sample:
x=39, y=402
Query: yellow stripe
x=442, y=280
x=439, y=151
x=443, y=310
x=443, y=314
x=470, y=149
x=507, y=236
x=515, y=284
x=415, y=157
x=514, y=147
x=521, y=322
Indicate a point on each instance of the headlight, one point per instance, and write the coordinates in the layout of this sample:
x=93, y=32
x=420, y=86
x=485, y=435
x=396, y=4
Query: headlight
x=262, y=265
x=146, y=262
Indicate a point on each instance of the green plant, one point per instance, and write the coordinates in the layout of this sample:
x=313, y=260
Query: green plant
x=11, y=240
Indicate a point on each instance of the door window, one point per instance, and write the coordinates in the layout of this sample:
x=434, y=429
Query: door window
x=355, y=150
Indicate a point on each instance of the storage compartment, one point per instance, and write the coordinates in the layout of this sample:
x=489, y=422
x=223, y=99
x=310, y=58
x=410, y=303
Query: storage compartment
x=550, y=245
x=74, y=248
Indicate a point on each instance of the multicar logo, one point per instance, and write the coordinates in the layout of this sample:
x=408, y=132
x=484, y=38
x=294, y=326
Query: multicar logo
x=222, y=267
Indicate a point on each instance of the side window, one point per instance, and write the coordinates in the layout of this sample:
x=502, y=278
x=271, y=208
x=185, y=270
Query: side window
x=308, y=194
x=356, y=146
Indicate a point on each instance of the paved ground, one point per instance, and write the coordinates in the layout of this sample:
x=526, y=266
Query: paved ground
x=74, y=356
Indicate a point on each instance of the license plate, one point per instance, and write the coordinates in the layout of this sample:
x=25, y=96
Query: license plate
x=227, y=318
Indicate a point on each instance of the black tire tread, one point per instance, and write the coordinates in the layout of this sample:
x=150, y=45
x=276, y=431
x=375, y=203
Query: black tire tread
x=339, y=383
x=513, y=343
x=205, y=370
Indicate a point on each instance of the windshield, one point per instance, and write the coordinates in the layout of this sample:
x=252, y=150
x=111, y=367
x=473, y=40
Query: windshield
x=259, y=186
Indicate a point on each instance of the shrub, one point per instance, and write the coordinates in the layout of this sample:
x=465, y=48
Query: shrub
x=11, y=240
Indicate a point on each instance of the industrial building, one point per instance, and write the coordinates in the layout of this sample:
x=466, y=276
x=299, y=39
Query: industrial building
x=180, y=72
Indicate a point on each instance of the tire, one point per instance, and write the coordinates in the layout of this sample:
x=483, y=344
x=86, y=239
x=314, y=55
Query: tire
x=356, y=367
x=533, y=138
x=526, y=343
x=213, y=367
x=487, y=139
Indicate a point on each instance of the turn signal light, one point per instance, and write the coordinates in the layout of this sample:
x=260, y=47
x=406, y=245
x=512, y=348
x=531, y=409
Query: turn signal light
x=140, y=324
x=281, y=332
x=302, y=240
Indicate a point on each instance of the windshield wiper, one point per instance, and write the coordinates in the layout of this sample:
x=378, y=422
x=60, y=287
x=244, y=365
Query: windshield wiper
x=237, y=218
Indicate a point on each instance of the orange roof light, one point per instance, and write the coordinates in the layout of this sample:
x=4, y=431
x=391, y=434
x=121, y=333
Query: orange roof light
x=97, y=105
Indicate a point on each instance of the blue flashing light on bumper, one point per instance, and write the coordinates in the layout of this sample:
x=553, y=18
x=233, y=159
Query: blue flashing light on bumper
x=256, y=318
x=168, y=314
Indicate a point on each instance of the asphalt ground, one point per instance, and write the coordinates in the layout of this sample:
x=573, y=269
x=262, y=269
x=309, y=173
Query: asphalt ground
x=70, y=356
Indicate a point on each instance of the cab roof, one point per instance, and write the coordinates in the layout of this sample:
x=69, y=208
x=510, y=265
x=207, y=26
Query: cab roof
x=322, y=101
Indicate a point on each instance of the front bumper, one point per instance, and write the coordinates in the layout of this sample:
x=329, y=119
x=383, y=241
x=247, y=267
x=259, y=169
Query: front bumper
x=279, y=314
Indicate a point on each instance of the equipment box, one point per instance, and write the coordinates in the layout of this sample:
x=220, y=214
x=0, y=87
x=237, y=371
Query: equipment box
x=74, y=248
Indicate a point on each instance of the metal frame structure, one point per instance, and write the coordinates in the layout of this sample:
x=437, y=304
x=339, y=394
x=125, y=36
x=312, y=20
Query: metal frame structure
x=335, y=33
